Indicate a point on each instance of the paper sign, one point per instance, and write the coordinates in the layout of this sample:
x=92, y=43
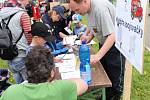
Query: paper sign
x=130, y=23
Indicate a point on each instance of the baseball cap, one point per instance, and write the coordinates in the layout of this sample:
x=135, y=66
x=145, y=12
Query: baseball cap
x=76, y=18
x=60, y=10
x=40, y=29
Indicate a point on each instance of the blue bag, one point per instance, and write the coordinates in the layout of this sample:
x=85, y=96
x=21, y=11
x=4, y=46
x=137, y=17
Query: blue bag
x=57, y=48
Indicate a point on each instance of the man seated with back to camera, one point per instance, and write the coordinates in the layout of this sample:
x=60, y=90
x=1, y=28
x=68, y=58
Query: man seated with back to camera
x=41, y=83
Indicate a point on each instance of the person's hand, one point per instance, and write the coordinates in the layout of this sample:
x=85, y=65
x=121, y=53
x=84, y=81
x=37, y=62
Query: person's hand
x=69, y=25
x=58, y=60
x=83, y=37
x=94, y=59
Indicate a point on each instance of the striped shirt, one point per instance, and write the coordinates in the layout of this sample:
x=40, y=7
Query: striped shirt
x=26, y=25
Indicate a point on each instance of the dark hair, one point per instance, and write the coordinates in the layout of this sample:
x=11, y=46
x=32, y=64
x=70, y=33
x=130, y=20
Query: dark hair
x=39, y=63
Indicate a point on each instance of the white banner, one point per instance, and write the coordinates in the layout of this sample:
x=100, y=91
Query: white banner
x=130, y=21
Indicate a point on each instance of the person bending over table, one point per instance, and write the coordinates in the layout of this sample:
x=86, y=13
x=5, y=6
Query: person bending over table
x=101, y=19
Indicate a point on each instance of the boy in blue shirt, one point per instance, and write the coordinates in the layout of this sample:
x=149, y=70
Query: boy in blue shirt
x=79, y=28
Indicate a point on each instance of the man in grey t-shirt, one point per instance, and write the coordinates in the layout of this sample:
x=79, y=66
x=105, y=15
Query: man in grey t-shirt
x=101, y=19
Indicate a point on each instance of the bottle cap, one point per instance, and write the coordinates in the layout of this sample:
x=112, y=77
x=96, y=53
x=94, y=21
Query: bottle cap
x=84, y=42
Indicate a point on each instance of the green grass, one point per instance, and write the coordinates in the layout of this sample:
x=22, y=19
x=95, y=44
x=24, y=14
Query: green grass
x=3, y=64
x=141, y=83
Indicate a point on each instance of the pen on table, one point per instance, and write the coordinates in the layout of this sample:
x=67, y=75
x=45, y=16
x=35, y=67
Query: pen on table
x=62, y=58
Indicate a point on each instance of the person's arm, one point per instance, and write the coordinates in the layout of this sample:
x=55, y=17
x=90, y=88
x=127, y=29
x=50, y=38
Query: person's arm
x=88, y=36
x=106, y=46
x=81, y=86
x=26, y=25
x=58, y=60
x=62, y=35
x=105, y=26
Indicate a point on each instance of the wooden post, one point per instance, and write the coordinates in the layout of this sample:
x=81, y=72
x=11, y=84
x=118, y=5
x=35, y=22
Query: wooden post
x=147, y=24
x=127, y=81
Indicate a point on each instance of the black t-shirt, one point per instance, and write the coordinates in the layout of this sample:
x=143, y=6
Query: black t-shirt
x=55, y=27
x=58, y=27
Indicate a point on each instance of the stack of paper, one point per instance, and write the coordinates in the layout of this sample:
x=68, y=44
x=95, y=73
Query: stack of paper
x=68, y=64
x=69, y=40
x=68, y=67
x=73, y=74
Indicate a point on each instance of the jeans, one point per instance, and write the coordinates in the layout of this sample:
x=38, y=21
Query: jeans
x=17, y=67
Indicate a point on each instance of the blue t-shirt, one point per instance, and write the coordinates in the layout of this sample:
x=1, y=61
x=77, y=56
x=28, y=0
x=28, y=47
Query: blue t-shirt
x=56, y=49
x=78, y=30
x=31, y=46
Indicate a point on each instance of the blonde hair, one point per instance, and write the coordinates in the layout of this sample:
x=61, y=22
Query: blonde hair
x=50, y=12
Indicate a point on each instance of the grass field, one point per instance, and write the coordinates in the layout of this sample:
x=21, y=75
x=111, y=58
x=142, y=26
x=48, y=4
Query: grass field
x=141, y=83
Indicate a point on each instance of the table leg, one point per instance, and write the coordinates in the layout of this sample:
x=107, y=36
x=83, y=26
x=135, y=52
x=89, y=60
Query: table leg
x=103, y=94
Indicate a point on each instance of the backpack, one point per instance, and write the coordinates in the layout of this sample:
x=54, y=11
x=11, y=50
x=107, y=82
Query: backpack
x=8, y=49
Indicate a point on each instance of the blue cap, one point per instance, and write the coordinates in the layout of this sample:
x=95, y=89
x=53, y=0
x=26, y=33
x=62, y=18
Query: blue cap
x=76, y=18
x=60, y=10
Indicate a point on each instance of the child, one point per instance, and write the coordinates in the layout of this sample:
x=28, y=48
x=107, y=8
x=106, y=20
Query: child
x=42, y=36
x=79, y=28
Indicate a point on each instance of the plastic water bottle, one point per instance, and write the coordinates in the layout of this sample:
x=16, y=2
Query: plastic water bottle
x=85, y=69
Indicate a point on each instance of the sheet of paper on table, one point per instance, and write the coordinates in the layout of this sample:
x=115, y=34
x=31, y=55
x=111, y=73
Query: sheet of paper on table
x=68, y=30
x=78, y=42
x=66, y=69
x=69, y=40
x=68, y=75
x=70, y=50
x=68, y=64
